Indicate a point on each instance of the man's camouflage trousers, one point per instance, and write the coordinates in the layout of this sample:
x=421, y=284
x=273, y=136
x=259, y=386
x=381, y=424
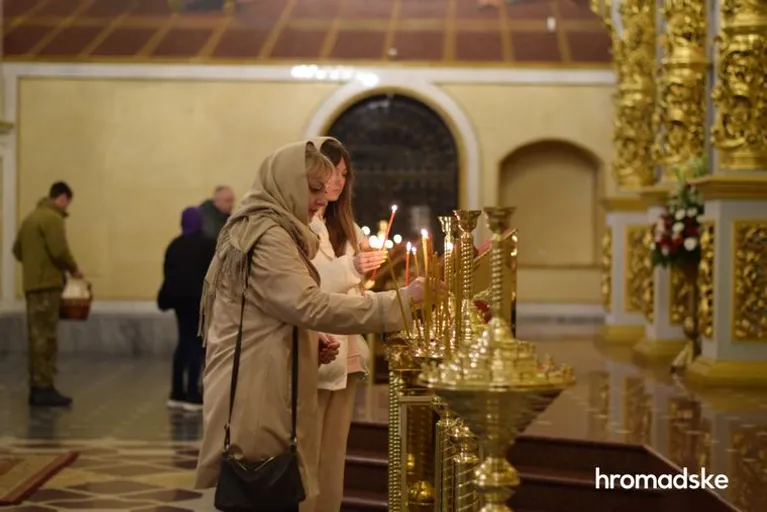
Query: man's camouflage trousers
x=42, y=329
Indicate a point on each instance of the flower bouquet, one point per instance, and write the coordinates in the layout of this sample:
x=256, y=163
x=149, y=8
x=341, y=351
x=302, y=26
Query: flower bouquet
x=676, y=235
x=676, y=243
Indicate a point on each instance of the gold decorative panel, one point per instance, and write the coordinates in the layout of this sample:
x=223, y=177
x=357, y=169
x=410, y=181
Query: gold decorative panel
x=607, y=267
x=706, y=281
x=648, y=286
x=637, y=253
x=749, y=268
x=679, y=305
x=740, y=94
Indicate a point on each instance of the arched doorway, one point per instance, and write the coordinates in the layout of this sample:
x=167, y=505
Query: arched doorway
x=403, y=153
x=556, y=187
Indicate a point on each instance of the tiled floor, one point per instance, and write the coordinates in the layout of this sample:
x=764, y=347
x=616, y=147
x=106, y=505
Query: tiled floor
x=135, y=455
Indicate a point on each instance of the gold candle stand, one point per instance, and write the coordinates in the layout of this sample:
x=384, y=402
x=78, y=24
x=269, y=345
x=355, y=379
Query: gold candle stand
x=494, y=382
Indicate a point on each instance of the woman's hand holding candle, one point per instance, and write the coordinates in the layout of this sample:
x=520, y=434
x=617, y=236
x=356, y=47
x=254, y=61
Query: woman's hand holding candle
x=386, y=234
x=368, y=261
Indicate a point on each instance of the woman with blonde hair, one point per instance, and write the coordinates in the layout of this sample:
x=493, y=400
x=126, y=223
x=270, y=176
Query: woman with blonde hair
x=262, y=302
x=342, y=264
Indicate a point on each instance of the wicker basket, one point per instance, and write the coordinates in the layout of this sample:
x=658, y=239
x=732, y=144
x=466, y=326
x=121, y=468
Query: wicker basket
x=76, y=308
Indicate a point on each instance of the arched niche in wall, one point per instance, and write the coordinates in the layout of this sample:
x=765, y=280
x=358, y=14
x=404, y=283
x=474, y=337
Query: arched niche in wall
x=402, y=153
x=557, y=189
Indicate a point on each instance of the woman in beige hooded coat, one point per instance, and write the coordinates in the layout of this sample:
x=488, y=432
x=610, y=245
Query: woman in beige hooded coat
x=272, y=224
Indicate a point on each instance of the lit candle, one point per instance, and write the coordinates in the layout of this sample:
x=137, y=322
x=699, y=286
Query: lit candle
x=391, y=221
x=399, y=299
x=414, y=250
x=386, y=235
x=427, y=302
x=407, y=264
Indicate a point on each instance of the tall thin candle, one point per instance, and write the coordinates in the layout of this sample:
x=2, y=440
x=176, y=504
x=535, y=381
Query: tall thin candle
x=407, y=264
x=415, y=259
x=386, y=235
x=399, y=298
x=391, y=221
x=428, y=302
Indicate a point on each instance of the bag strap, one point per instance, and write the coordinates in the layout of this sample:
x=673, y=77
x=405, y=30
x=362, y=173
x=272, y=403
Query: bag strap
x=236, y=371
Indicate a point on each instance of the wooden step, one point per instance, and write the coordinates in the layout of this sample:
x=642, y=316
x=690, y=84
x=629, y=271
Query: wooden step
x=361, y=501
x=555, y=475
x=366, y=472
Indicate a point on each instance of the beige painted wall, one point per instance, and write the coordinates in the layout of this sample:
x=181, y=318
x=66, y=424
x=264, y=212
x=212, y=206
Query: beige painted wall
x=137, y=152
x=556, y=186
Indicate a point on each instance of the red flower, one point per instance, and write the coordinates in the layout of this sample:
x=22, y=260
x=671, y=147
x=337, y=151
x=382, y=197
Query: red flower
x=484, y=308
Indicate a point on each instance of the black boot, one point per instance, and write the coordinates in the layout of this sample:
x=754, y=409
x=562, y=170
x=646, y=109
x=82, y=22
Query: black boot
x=48, y=397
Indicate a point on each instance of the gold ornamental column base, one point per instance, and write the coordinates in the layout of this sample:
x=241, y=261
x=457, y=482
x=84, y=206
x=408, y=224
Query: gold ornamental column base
x=621, y=334
x=660, y=351
x=707, y=372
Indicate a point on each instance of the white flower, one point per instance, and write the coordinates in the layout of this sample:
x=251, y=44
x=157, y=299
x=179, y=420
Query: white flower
x=691, y=243
x=692, y=212
x=664, y=250
x=679, y=215
x=678, y=227
x=654, y=245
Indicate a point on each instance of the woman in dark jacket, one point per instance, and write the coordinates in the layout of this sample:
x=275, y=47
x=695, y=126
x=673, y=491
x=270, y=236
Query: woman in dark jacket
x=186, y=261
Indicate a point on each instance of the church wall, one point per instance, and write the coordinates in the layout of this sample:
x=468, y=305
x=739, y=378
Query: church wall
x=555, y=189
x=137, y=151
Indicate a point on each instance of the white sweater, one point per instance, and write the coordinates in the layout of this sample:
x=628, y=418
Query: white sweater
x=338, y=275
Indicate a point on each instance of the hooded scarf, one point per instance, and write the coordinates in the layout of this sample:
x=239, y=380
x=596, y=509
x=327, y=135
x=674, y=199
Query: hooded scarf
x=191, y=221
x=279, y=197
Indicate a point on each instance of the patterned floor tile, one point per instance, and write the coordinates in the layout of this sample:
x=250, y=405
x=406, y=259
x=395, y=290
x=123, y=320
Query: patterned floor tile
x=167, y=496
x=100, y=504
x=44, y=495
x=114, y=487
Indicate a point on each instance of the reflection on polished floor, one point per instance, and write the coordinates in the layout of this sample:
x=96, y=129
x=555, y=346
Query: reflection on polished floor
x=135, y=455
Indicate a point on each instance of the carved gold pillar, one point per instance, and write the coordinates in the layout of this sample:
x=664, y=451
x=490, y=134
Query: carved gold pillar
x=740, y=94
x=734, y=242
x=680, y=120
x=680, y=113
x=632, y=169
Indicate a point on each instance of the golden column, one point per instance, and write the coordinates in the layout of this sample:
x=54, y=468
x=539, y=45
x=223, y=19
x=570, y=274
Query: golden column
x=625, y=275
x=680, y=117
x=734, y=243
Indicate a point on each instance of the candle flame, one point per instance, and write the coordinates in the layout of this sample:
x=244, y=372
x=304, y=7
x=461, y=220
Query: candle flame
x=394, y=207
x=424, y=233
x=409, y=247
x=413, y=249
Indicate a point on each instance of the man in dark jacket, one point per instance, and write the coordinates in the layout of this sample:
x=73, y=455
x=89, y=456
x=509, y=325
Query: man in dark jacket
x=215, y=212
x=42, y=249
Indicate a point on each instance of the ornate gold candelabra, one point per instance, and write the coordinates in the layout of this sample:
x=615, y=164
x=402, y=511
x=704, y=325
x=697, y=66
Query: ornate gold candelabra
x=445, y=447
x=493, y=382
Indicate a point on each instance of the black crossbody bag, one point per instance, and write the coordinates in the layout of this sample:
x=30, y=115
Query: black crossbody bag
x=260, y=485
